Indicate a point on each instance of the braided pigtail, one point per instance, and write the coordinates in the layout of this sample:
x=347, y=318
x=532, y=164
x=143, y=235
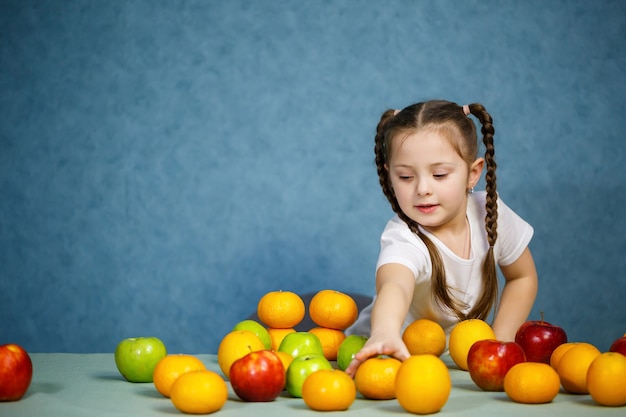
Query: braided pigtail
x=384, y=132
x=490, y=279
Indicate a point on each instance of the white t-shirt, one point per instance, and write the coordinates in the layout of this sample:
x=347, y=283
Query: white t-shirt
x=401, y=246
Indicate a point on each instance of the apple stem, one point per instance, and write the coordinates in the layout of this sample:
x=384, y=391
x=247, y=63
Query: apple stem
x=541, y=312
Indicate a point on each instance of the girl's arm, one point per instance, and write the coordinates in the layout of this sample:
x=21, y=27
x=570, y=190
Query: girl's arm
x=394, y=291
x=517, y=297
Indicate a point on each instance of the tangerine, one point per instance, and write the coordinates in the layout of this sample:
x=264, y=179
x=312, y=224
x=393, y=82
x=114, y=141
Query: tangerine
x=532, y=383
x=375, y=378
x=424, y=336
x=281, y=309
x=573, y=366
x=199, y=392
x=331, y=340
x=284, y=357
x=277, y=336
x=558, y=353
x=328, y=390
x=172, y=366
x=235, y=345
x=423, y=384
x=605, y=379
x=464, y=335
x=333, y=309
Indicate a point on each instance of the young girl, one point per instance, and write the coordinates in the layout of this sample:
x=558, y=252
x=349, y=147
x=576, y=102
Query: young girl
x=439, y=253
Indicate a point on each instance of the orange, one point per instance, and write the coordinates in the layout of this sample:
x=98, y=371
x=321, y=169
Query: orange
x=557, y=353
x=171, y=367
x=199, y=392
x=573, y=367
x=423, y=384
x=532, y=383
x=277, y=336
x=328, y=390
x=285, y=358
x=376, y=377
x=333, y=309
x=281, y=309
x=235, y=345
x=330, y=339
x=424, y=336
x=464, y=335
x=606, y=379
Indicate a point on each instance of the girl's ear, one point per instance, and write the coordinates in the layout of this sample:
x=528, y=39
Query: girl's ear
x=476, y=169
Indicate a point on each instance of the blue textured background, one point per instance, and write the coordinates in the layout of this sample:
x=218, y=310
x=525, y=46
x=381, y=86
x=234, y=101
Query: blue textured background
x=163, y=164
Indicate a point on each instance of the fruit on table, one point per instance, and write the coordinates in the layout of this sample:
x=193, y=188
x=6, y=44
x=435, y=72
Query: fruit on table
x=300, y=368
x=171, y=367
x=424, y=336
x=464, y=335
x=489, y=361
x=532, y=383
x=573, y=367
x=136, y=357
x=348, y=348
x=258, y=376
x=539, y=339
x=328, y=390
x=281, y=309
x=606, y=379
x=375, y=378
x=235, y=345
x=256, y=328
x=199, y=392
x=331, y=339
x=277, y=335
x=619, y=345
x=301, y=343
x=333, y=309
x=16, y=372
x=423, y=384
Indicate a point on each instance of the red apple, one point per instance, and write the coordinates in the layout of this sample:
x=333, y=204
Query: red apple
x=258, y=376
x=16, y=372
x=489, y=360
x=619, y=345
x=539, y=338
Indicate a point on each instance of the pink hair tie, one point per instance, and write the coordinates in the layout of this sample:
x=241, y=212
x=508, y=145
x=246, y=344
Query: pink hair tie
x=395, y=112
x=466, y=110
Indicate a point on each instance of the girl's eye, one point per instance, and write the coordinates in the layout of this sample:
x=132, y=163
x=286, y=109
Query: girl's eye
x=440, y=176
x=405, y=177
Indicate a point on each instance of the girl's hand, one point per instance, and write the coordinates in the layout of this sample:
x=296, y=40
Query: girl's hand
x=390, y=347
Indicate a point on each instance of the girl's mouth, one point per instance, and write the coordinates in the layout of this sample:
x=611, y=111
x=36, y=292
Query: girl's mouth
x=427, y=208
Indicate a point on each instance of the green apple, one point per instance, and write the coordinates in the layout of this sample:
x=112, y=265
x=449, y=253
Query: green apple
x=300, y=368
x=301, y=343
x=136, y=357
x=348, y=348
x=256, y=328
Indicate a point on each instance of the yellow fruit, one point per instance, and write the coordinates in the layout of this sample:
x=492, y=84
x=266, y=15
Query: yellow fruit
x=606, y=379
x=375, y=378
x=281, y=309
x=532, y=383
x=333, y=309
x=573, y=366
x=235, y=345
x=199, y=392
x=331, y=340
x=277, y=336
x=558, y=353
x=285, y=358
x=328, y=390
x=464, y=335
x=423, y=384
x=424, y=336
x=170, y=368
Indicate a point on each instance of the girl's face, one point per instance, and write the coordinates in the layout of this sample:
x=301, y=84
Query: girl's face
x=430, y=179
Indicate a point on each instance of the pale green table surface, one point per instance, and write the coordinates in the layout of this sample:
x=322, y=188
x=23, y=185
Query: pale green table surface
x=89, y=385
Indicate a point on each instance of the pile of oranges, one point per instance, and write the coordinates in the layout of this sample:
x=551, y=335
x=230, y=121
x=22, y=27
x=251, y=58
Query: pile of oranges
x=421, y=384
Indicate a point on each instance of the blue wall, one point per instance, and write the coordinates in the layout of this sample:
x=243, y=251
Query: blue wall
x=163, y=164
